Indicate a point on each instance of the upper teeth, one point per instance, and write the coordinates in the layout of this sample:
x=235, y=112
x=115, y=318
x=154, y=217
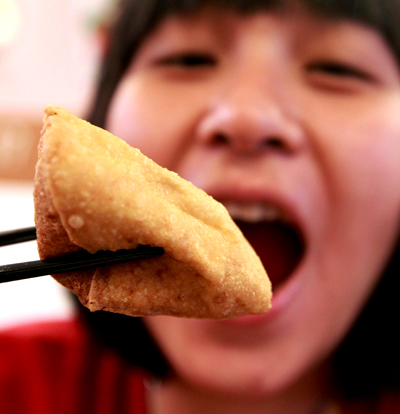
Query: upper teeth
x=253, y=212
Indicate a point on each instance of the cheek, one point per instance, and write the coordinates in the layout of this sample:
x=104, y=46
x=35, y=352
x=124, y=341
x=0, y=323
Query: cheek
x=359, y=150
x=143, y=119
x=370, y=171
x=357, y=155
x=364, y=176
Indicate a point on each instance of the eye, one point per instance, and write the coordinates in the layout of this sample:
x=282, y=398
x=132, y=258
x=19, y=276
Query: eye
x=188, y=60
x=338, y=70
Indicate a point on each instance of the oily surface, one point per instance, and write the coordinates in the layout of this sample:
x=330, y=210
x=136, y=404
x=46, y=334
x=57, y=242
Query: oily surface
x=95, y=192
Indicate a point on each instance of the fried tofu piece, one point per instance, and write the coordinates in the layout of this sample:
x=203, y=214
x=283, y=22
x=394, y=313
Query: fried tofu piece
x=95, y=192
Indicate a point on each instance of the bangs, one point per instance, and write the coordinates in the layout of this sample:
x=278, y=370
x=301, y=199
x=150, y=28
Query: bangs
x=371, y=12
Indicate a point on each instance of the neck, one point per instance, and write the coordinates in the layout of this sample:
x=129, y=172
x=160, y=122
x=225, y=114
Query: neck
x=308, y=396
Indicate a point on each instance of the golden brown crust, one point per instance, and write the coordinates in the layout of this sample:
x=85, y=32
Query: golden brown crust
x=52, y=238
x=95, y=192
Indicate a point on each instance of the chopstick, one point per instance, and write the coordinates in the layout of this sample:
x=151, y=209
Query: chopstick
x=75, y=261
x=17, y=236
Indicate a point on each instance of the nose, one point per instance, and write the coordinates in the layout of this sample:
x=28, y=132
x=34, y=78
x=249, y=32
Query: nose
x=249, y=121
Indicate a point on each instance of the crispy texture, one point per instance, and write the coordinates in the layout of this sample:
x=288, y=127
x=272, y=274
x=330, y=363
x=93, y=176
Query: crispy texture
x=95, y=192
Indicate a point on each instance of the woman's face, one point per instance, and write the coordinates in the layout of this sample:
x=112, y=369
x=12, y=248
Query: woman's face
x=292, y=121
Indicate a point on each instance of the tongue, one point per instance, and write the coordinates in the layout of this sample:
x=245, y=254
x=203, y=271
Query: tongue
x=278, y=246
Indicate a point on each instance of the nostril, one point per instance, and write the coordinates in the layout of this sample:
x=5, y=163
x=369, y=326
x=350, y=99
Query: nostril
x=220, y=139
x=249, y=145
x=274, y=143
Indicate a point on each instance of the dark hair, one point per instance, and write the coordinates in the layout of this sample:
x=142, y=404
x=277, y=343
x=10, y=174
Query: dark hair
x=367, y=363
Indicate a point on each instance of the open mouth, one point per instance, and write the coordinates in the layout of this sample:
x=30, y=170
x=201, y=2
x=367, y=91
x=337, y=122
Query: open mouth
x=277, y=241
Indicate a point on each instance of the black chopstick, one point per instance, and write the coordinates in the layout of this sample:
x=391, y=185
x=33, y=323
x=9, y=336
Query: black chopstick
x=17, y=236
x=74, y=261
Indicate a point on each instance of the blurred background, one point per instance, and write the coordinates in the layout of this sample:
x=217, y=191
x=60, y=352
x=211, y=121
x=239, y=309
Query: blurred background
x=49, y=53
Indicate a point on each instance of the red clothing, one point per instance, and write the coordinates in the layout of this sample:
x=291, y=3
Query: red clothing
x=55, y=368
